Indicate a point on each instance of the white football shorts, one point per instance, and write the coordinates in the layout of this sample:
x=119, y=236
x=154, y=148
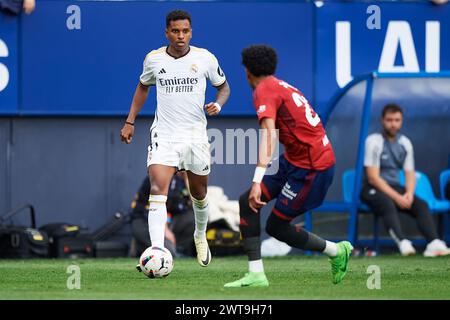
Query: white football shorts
x=189, y=156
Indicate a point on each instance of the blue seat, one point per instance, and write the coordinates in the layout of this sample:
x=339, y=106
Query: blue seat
x=424, y=191
x=444, y=178
x=348, y=179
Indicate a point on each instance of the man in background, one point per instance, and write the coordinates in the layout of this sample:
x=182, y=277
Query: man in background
x=386, y=153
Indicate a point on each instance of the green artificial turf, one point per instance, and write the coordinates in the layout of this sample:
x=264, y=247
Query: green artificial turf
x=296, y=277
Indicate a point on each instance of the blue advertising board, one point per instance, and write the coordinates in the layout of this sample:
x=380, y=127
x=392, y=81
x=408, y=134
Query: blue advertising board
x=91, y=66
x=85, y=57
x=8, y=65
x=357, y=38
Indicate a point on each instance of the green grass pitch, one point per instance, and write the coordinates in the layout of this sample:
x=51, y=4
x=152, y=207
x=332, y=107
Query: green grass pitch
x=296, y=277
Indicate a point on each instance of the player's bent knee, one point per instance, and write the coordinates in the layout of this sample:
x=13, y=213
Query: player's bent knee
x=275, y=227
x=244, y=207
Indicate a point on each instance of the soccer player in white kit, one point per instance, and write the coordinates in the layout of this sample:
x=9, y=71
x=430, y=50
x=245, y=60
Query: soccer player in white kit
x=178, y=134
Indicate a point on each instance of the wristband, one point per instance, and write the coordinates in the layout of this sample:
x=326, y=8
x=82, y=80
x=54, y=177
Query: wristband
x=259, y=174
x=217, y=106
x=130, y=123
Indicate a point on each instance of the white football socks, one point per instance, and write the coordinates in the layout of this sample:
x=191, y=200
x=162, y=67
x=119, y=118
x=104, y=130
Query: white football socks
x=331, y=249
x=157, y=218
x=201, y=212
x=256, y=266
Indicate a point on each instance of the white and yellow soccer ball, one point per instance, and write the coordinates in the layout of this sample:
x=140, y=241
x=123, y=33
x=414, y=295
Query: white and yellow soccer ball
x=156, y=262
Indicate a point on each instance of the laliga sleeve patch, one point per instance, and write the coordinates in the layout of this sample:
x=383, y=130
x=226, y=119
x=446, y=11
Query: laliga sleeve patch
x=261, y=108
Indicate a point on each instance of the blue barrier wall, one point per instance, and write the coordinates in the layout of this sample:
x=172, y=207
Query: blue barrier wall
x=74, y=168
x=409, y=35
x=9, y=71
x=55, y=70
x=94, y=70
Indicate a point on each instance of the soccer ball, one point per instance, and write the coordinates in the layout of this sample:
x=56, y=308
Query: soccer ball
x=156, y=262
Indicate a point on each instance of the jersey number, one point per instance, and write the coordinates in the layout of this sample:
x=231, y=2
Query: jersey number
x=300, y=101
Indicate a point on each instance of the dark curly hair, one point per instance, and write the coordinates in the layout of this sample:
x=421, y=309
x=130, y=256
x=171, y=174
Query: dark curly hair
x=177, y=15
x=260, y=60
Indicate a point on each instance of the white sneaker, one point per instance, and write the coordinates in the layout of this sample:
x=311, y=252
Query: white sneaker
x=203, y=253
x=406, y=248
x=436, y=248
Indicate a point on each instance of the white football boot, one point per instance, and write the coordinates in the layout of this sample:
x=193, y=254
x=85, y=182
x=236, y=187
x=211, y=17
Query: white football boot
x=203, y=252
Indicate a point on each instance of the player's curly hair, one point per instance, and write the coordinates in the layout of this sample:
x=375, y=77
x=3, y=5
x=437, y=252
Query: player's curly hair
x=177, y=15
x=260, y=60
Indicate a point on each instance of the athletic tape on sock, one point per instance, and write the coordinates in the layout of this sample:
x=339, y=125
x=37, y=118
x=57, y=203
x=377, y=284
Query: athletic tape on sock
x=157, y=198
x=201, y=204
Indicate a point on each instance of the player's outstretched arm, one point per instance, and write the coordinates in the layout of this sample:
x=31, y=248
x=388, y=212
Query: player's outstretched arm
x=223, y=93
x=139, y=98
x=268, y=143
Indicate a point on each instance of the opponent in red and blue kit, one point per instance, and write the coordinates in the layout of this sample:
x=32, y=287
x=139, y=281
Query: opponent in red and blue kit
x=304, y=175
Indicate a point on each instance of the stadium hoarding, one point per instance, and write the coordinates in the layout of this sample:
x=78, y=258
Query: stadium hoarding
x=85, y=59
x=8, y=65
x=358, y=38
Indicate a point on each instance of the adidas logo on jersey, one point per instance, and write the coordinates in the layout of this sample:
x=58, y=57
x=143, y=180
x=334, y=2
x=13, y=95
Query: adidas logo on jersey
x=162, y=71
x=206, y=168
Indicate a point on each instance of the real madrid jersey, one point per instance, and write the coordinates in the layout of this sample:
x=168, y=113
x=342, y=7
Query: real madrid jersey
x=180, y=87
